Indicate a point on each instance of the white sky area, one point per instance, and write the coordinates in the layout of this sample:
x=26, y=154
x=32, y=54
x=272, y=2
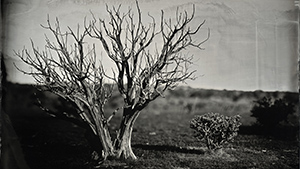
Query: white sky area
x=253, y=43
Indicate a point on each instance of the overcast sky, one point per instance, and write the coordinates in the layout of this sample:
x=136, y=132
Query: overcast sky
x=253, y=43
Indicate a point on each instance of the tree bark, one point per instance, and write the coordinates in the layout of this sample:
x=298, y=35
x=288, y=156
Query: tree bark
x=123, y=142
x=101, y=144
x=105, y=139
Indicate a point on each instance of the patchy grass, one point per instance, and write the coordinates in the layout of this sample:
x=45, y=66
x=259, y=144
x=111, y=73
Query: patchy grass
x=160, y=141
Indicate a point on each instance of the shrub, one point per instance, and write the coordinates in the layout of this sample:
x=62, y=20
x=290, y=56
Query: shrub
x=271, y=114
x=215, y=129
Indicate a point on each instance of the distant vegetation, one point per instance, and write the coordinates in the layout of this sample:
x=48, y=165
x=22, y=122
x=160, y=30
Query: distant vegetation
x=183, y=99
x=270, y=113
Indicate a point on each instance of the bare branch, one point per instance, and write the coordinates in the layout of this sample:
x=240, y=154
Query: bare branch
x=70, y=71
x=144, y=75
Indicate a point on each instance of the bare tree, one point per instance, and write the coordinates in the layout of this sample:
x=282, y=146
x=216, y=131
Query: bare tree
x=144, y=73
x=72, y=73
x=144, y=69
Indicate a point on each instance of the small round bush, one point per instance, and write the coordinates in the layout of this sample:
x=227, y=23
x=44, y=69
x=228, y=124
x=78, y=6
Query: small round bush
x=215, y=129
x=271, y=114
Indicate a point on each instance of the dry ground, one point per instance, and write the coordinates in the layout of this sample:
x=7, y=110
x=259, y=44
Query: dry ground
x=161, y=138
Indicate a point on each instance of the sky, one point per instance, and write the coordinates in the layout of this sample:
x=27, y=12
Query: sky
x=253, y=44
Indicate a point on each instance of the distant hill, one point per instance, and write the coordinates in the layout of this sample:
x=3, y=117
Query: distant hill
x=233, y=94
x=19, y=100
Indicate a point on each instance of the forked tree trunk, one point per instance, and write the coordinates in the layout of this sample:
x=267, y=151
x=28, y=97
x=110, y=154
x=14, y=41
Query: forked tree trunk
x=102, y=143
x=123, y=142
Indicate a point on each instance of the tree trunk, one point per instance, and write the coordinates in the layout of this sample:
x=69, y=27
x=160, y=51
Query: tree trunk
x=104, y=135
x=123, y=142
x=101, y=143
